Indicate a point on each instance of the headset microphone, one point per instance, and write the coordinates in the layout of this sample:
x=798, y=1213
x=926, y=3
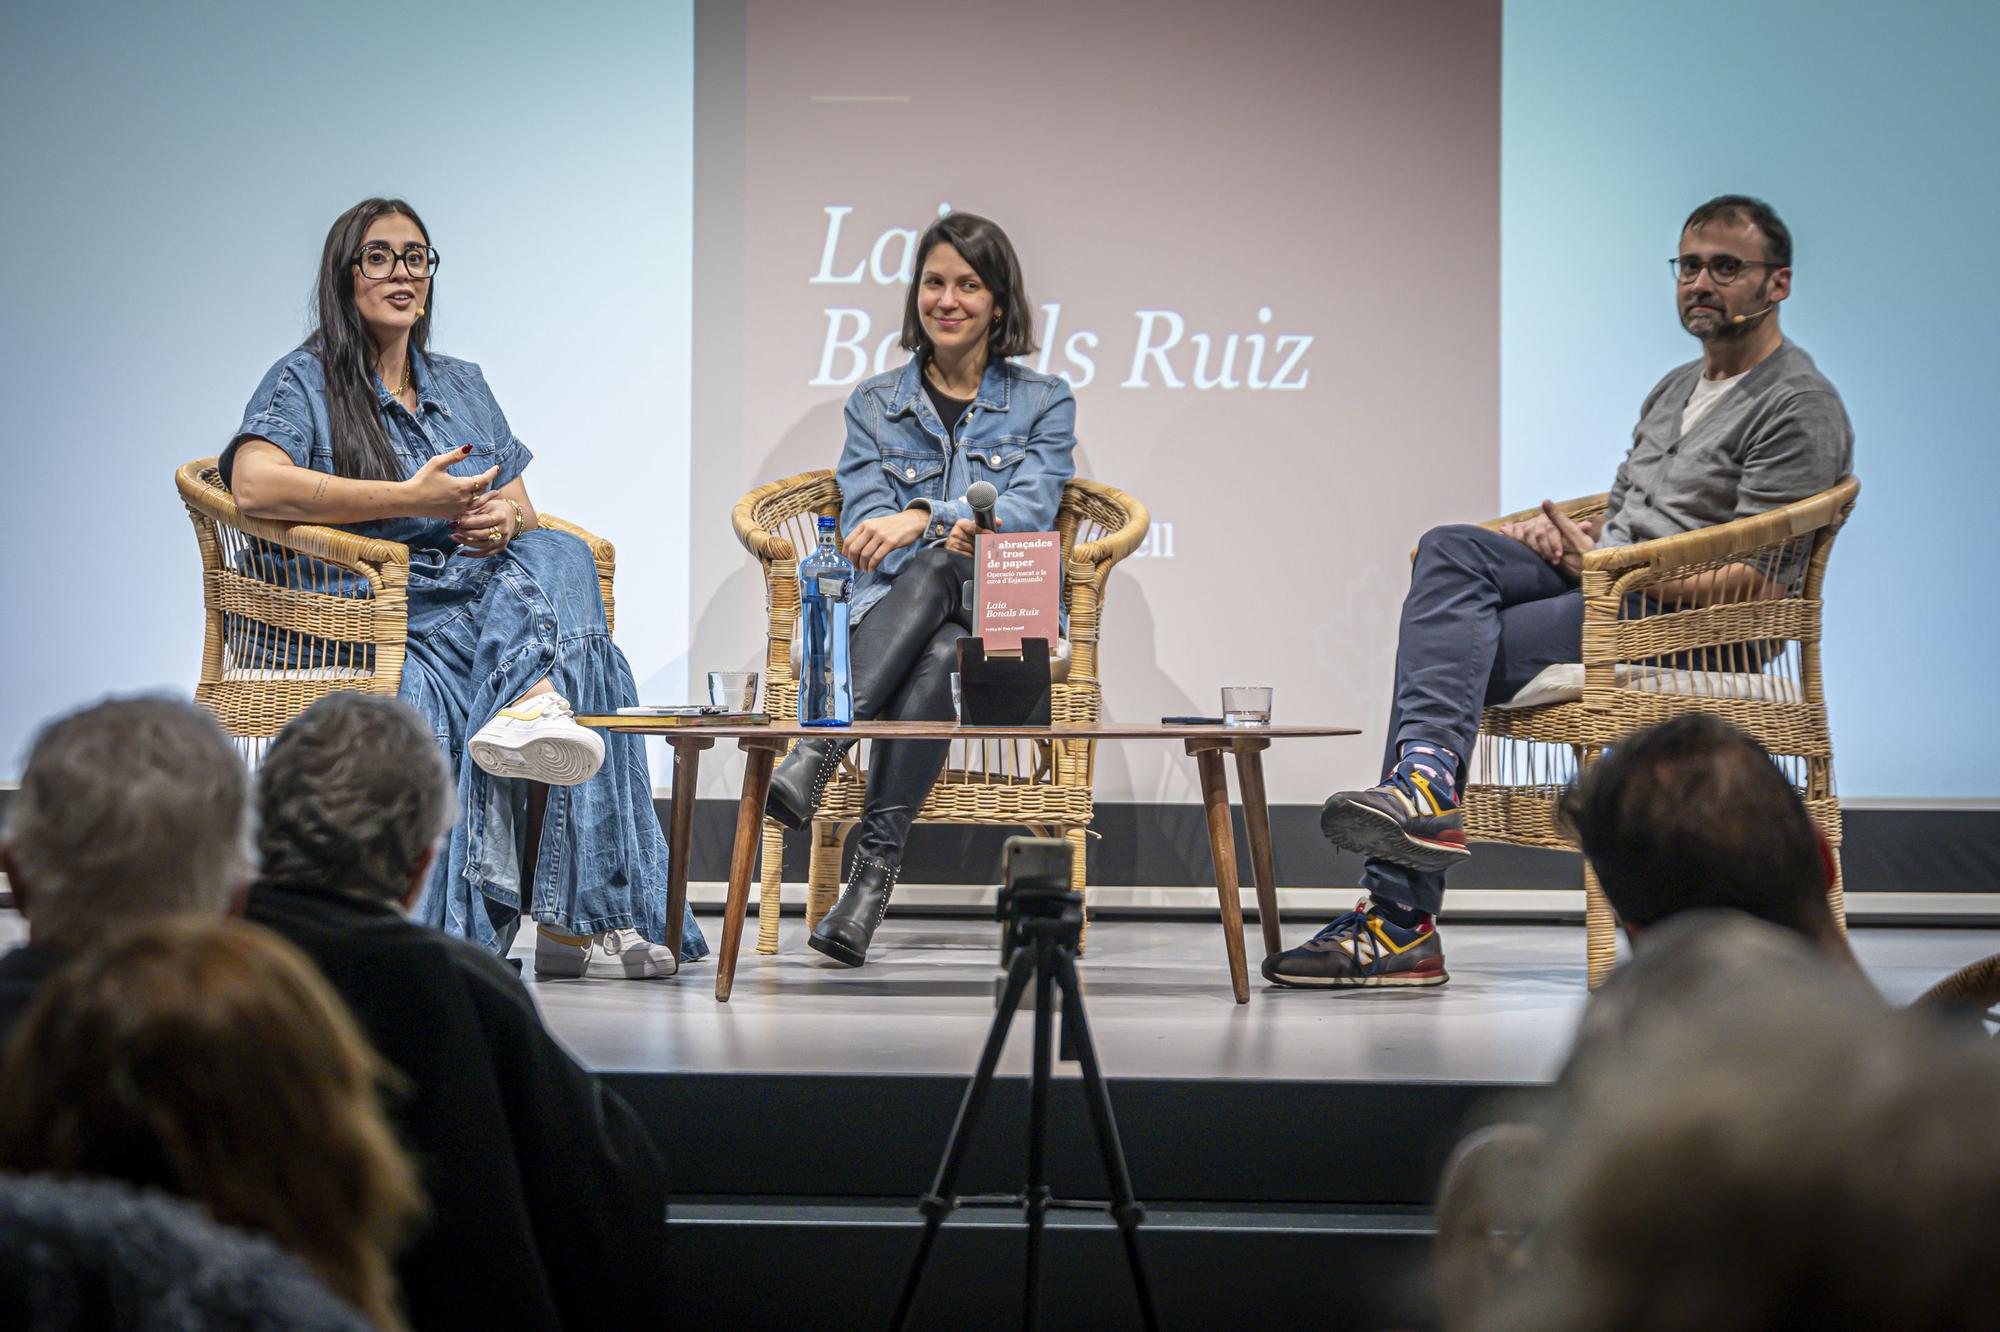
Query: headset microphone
x=420, y=312
x=1744, y=318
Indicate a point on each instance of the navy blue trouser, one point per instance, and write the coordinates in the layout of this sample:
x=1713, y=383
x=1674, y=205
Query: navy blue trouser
x=1484, y=616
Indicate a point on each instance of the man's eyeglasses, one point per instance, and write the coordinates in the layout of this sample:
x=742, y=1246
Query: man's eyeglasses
x=1724, y=268
x=379, y=261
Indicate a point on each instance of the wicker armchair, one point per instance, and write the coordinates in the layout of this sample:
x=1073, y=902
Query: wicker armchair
x=295, y=611
x=1751, y=657
x=1044, y=786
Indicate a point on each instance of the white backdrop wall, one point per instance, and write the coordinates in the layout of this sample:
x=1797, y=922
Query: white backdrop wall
x=170, y=172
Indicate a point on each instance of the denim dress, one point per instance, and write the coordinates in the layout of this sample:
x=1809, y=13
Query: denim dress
x=482, y=630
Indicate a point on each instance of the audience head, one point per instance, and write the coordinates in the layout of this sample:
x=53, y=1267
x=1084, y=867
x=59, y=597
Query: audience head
x=352, y=797
x=1782, y=1155
x=1692, y=813
x=949, y=246
x=208, y=1059
x=128, y=811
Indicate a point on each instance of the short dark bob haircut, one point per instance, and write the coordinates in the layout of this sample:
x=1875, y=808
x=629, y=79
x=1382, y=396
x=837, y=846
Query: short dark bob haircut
x=1743, y=208
x=985, y=247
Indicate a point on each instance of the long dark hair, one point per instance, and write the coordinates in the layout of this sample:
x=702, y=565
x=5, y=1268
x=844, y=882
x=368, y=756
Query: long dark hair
x=985, y=247
x=361, y=446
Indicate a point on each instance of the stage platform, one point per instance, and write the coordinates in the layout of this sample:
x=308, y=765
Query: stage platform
x=1287, y=1150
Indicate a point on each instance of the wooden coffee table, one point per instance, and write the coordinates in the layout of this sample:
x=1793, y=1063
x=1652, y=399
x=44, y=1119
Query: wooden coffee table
x=762, y=745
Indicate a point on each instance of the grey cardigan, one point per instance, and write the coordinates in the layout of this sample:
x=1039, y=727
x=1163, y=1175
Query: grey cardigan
x=1779, y=435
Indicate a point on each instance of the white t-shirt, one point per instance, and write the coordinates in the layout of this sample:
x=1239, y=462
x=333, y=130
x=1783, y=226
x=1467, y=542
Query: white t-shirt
x=1707, y=392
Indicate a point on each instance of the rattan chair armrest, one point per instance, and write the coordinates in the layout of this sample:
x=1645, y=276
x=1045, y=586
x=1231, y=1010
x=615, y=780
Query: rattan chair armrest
x=1583, y=506
x=1114, y=546
x=765, y=545
x=331, y=544
x=1731, y=540
x=601, y=550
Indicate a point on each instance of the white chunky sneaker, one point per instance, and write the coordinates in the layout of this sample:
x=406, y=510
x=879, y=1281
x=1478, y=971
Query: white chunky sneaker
x=560, y=957
x=539, y=739
x=622, y=953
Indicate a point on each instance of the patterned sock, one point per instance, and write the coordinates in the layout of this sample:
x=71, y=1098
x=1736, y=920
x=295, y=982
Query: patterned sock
x=1435, y=764
x=1407, y=917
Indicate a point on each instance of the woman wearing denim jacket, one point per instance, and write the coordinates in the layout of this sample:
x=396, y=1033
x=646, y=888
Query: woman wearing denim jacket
x=365, y=428
x=957, y=413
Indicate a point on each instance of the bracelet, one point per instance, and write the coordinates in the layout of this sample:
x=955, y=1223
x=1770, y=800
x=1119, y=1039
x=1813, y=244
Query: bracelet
x=520, y=518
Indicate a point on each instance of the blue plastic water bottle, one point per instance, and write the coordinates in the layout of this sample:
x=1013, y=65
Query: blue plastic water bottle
x=826, y=698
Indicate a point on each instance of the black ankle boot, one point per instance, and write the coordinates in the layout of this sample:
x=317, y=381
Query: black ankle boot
x=844, y=932
x=801, y=780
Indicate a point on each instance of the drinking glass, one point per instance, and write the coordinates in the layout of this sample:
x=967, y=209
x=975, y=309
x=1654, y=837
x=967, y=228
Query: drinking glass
x=1246, y=705
x=734, y=690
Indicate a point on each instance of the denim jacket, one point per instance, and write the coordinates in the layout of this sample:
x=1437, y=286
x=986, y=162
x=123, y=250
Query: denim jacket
x=1018, y=434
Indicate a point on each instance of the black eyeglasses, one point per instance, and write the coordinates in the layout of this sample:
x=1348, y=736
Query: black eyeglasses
x=1724, y=268
x=379, y=261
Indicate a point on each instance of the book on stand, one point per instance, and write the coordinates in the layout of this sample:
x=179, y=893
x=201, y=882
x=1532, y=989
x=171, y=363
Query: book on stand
x=1017, y=589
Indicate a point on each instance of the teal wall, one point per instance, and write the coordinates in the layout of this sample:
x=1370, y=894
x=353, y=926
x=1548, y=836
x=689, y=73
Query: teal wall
x=1871, y=129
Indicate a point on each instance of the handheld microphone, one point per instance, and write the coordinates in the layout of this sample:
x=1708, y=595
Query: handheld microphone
x=1754, y=314
x=982, y=497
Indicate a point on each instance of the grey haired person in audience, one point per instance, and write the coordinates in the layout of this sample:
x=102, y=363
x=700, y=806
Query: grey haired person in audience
x=546, y=1192
x=131, y=811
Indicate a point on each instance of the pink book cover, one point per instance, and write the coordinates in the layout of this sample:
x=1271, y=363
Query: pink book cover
x=1018, y=589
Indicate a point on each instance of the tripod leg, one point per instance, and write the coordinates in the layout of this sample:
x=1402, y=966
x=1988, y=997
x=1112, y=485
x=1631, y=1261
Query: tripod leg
x=938, y=1203
x=1038, y=1129
x=1125, y=1207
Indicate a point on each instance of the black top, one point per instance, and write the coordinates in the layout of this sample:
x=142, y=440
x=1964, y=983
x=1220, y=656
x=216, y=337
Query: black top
x=21, y=975
x=545, y=1191
x=950, y=410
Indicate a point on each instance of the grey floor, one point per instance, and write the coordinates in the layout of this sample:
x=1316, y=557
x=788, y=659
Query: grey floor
x=1158, y=998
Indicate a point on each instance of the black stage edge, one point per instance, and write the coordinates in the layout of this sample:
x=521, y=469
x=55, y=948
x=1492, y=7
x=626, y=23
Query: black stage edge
x=1256, y=1192
x=1166, y=846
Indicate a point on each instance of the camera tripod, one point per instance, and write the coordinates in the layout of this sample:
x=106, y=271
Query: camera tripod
x=1044, y=928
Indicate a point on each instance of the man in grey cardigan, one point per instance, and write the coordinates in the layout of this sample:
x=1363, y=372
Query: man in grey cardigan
x=1751, y=426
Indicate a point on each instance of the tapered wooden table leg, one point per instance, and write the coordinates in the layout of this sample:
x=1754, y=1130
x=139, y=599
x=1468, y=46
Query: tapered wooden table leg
x=680, y=830
x=1257, y=824
x=1222, y=848
x=758, y=756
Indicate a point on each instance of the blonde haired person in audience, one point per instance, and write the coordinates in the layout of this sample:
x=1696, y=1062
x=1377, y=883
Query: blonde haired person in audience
x=208, y=1059
x=131, y=811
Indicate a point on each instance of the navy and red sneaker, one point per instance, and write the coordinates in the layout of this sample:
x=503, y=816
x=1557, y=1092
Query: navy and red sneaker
x=1362, y=949
x=1403, y=820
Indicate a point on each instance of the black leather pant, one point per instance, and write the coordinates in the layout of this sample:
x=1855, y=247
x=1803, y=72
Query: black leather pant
x=902, y=656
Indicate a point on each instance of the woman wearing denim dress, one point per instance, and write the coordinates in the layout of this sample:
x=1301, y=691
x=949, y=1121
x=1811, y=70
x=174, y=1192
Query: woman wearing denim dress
x=365, y=428
x=960, y=411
